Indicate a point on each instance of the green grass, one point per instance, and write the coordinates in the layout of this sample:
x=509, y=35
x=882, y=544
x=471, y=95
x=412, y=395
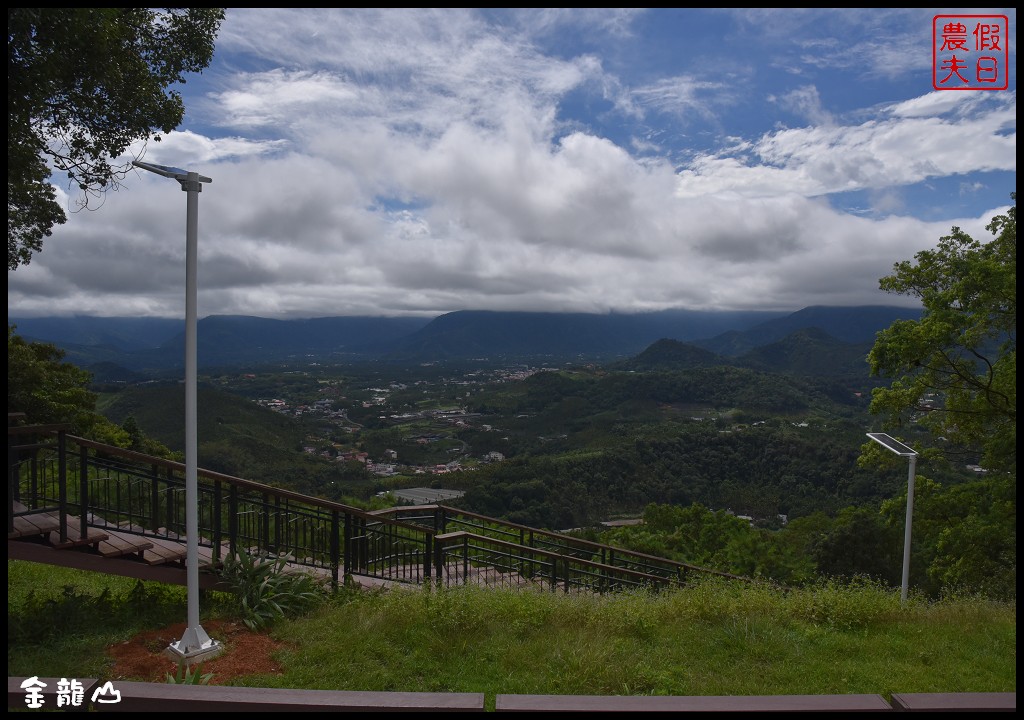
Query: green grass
x=712, y=639
x=60, y=620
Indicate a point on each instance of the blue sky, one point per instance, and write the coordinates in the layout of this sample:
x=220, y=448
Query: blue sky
x=391, y=162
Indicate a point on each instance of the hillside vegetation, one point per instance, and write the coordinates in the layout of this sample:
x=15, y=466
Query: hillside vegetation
x=236, y=437
x=710, y=639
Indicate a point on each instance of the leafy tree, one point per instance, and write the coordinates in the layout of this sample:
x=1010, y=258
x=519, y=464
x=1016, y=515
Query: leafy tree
x=82, y=85
x=955, y=369
x=49, y=390
x=859, y=542
x=44, y=387
x=964, y=536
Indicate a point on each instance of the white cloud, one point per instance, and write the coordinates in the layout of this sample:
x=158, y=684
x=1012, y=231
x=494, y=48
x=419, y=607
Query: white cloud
x=935, y=103
x=189, y=148
x=423, y=161
x=277, y=97
x=682, y=95
x=805, y=101
x=878, y=153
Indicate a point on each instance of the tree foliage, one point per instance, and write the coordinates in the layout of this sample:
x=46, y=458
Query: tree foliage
x=44, y=387
x=955, y=369
x=48, y=390
x=964, y=536
x=82, y=85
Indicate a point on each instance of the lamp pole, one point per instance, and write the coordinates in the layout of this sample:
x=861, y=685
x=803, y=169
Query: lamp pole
x=195, y=645
x=893, y=445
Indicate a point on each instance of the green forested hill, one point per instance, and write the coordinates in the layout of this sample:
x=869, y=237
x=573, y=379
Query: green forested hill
x=761, y=471
x=583, y=446
x=722, y=388
x=806, y=352
x=810, y=351
x=667, y=354
x=236, y=436
x=159, y=409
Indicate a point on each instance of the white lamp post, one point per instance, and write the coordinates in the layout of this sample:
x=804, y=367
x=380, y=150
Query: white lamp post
x=892, y=444
x=195, y=645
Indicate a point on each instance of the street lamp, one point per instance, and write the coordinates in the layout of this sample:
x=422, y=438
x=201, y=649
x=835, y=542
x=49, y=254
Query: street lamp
x=195, y=645
x=892, y=444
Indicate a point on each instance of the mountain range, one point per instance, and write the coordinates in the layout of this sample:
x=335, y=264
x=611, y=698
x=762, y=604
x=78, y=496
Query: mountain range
x=157, y=344
x=807, y=351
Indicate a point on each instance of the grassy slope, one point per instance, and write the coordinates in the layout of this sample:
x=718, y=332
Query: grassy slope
x=708, y=640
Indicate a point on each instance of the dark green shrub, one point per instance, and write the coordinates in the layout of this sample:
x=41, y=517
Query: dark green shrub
x=266, y=589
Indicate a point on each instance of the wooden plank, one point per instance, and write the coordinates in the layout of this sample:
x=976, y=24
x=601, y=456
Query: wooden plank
x=206, y=555
x=29, y=525
x=93, y=536
x=164, y=551
x=149, y=697
x=695, y=703
x=119, y=544
x=955, y=702
x=127, y=566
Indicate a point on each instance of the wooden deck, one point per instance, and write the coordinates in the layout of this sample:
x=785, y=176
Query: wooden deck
x=31, y=525
x=157, y=697
x=695, y=703
x=151, y=697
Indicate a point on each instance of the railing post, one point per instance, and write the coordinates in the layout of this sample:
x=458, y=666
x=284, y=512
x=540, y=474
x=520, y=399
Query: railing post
x=428, y=554
x=233, y=521
x=335, y=549
x=33, y=474
x=606, y=574
x=277, y=525
x=439, y=561
x=170, y=502
x=347, y=547
x=264, y=542
x=62, y=484
x=218, y=522
x=361, y=542
x=154, y=498
x=83, y=492
x=13, y=483
x=522, y=543
x=363, y=545
x=465, y=559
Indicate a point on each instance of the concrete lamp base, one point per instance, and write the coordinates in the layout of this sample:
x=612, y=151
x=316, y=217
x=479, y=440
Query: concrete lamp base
x=194, y=647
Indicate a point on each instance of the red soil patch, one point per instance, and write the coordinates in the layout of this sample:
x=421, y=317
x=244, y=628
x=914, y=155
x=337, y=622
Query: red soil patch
x=247, y=653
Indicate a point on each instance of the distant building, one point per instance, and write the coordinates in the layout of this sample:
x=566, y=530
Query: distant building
x=622, y=523
x=424, y=496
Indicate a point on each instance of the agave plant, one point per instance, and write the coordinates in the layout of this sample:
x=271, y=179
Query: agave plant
x=266, y=590
x=189, y=676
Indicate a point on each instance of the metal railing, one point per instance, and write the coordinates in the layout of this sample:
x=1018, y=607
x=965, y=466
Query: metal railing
x=609, y=567
x=90, y=485
x=464, y=558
